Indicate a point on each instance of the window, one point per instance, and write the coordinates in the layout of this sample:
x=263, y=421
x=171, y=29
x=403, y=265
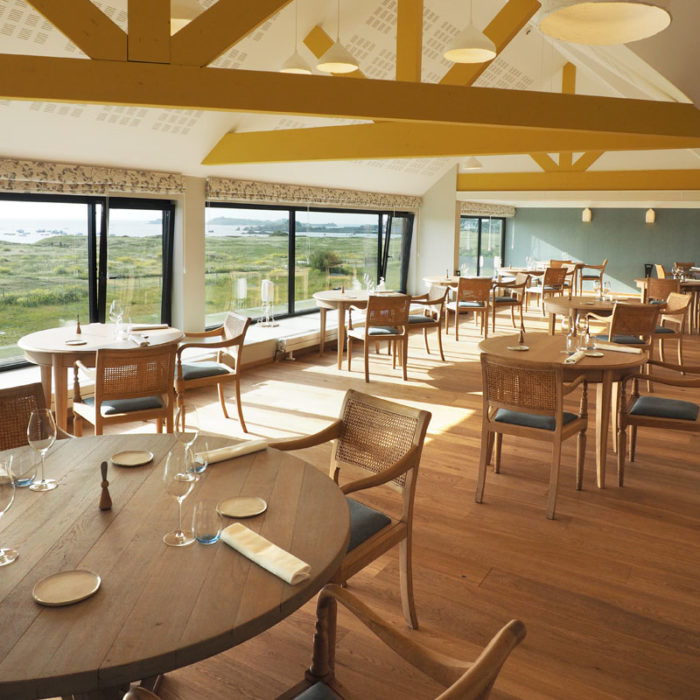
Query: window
x=64, y=257
x=330, y=248
x=481, y=245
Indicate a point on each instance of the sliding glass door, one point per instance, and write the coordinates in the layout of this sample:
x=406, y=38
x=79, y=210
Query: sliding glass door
x=481, y=245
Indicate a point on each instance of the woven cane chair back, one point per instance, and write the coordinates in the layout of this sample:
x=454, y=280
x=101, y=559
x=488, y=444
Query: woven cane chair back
x=659, y=289
x=16, y=405
x=384, y=310
x=235, y=326
x=555, y=277
x=633, y=319
x=375, y=434
x=476, y=289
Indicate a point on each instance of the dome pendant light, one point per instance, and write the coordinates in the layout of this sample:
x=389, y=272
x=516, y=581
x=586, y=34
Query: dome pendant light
x=604, y=22
x=295, y=63
x=471, y=45
x=337, y=59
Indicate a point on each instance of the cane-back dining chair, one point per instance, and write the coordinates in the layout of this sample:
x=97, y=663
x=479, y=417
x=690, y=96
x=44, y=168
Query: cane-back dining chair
x=227, y=339
x=656, y=411
x=130, y=385
x=463, y=680
x=660, y=271
x=595, y=273
x=552, y=285
x=683, y=266
x=386, y=318
x=630, y=324
x=473, y=295
x=525, y=400
x=656, y=290
x=377, y=442
x=431, y=316
x=16, y=406
x=510, y=295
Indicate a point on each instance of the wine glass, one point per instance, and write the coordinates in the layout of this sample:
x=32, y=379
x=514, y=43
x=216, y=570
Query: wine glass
x=179, y=482
x=185, y=437
x=41, y=434
x=7, y=496
x=598, y=289
x=584, y=337
x=116, y=314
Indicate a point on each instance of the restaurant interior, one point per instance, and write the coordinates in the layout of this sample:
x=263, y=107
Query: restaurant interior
x=388, y=233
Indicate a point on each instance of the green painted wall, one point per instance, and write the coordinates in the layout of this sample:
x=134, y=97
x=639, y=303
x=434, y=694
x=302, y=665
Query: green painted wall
x=617, y=234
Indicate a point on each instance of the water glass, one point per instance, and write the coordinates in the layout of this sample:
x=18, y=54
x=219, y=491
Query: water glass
x=206, y=522
x=196, y=457
x=7, y=496
x=24, y=464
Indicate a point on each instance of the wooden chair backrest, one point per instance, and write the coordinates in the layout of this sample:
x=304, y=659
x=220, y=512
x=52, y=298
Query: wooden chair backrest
x=600, y=267
x=437, y=294
x=518, y=386
x=559, y=263
x=474, y=289
x=554, y=277
x=660, y=271
x=661, y=288
x=234, y=330
x=633, y=319
x=676, y=304
x=374, y=435
x=130, y=374
x=685, y=266
x=16, y=405
x=387, y=310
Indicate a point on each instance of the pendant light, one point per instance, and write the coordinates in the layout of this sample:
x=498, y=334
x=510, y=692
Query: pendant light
x=472, y=163
x=471, y=45
x=295, y=63
x=604, y=22
x=337, y=59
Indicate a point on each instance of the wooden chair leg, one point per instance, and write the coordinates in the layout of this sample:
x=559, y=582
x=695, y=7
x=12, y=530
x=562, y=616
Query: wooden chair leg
x=554, y=479
x=621, y=445
x=222, y=401
x=404, y=354
x=457, y=314
x=408, y=604
x=680, y=349
x=497, y=462
x=239, y=405
x=633, y=442
x=425, y=339
x=349, y=353
x=580, y=458
x=159, y=425
x=512, y=314
x=614, y=413
x=439, y=337
x=77, y=425
x=485, y=322
x=484, y=458
x=366, y=362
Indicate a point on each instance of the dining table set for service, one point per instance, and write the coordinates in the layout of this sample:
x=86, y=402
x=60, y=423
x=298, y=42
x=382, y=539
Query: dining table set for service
x=97, y=552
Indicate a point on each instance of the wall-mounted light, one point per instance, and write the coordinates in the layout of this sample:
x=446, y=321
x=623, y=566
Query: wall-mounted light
x=472, y=163
x=650, y=216
x=586, y=216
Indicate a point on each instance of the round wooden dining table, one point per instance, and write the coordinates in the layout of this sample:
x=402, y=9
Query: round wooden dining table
x=158, y=607
x=603, y=371
x=341, y=301
x=578, y=305
x=56, y=349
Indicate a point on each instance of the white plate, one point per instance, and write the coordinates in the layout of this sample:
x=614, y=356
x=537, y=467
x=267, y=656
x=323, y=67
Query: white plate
x=242, y=507
x=66, y=587
x=519, y=348
x=594, y=353
x=132, y=458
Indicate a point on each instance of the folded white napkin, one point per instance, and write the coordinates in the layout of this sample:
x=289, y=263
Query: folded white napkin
x=271, y=557
x=137, y=340
x=148, y=326
x=229, y=452
x=573, y=359
x=615, y=347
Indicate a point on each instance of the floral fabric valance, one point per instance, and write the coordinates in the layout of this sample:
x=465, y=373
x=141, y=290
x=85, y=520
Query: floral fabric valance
x=42, y=177
x=483, y=209
x=220, y=189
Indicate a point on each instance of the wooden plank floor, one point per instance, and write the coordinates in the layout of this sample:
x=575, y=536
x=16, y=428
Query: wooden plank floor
x=608, y=591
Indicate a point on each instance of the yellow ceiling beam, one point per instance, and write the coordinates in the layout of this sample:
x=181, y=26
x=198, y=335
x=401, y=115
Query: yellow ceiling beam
x=318, y=42
x=620, y=180
x=186, y=87
x=409, y=40
x=514, y=15
x=545, y=161
x=568, y=79
x=218, y=28
x=399, y=140
x=149, y=31
x=566, y=159
x=86, y=26
x=587, y=159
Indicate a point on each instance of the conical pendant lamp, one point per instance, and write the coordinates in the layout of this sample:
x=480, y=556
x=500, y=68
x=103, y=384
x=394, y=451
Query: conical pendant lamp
x=295, y=63
x=337, y=59
x=471, y=45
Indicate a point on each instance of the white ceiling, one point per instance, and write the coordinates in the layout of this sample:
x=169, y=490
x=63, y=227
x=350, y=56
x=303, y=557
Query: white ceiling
x=660, y=68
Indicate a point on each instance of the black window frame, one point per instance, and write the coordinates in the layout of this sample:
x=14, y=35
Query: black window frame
x=480, y=220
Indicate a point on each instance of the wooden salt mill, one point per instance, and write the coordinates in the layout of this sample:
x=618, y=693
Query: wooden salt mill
x=105, y=500
x=78, y=330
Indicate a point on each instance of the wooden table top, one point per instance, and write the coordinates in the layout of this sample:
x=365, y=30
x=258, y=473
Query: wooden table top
x=158, y=607
x=96, y=335
x=334, y=297
x=564, y=305
x=547, y=349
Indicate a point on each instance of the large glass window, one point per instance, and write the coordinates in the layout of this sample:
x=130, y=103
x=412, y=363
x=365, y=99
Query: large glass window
x=481, y=245
x=61, y=257
x=330, y=248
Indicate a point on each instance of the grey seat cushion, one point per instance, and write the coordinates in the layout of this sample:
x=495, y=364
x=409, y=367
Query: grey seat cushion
x=383, y=330
x=420, y=318
x=622, y=339
x=663, y=329
x=530, y=420
x=318, y=691
x=657, y=301
x=471, y=305
x=197, y=370
x=506, y=300
x=113, y=406
x=364, y=522
x=658, y=407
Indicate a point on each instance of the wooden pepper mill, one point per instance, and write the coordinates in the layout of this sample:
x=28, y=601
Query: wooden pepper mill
x=78, y=330
x=105, y=500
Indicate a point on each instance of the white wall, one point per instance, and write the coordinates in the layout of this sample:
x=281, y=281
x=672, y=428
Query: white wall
x=434, y=245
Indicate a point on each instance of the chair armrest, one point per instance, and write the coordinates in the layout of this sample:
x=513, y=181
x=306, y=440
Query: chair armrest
x=573, y=385
x=329, y=433
x=228, y=342
x=393, y=472
x=419, y=298
x=219, y=330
